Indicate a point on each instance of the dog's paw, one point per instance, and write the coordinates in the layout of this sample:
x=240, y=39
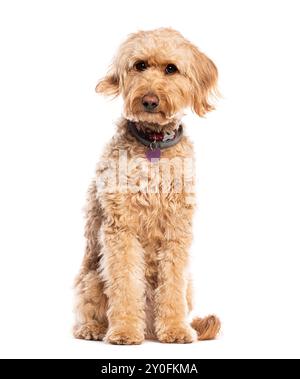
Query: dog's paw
x=90, y=331
x=123, y=336
x=177, y=334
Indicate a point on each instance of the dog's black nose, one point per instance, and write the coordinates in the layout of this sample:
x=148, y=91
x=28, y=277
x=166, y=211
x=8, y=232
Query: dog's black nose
x=150, y=102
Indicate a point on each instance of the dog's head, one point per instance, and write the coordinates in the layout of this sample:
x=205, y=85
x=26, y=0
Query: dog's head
x=159, y=74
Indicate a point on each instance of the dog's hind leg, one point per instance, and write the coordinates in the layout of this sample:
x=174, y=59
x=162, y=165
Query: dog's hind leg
x=90, y=308
x=91, y=302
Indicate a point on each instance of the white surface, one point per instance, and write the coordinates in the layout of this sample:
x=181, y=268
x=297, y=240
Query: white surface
x=53, y=126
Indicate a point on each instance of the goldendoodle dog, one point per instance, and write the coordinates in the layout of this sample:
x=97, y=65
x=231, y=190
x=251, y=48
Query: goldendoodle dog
x=134, y=282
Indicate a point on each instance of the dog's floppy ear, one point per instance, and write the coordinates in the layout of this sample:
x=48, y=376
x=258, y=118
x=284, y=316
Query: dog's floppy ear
x=110, y=84
x=204, y=82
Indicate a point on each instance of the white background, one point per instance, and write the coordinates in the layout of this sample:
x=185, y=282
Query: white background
x=53, y=127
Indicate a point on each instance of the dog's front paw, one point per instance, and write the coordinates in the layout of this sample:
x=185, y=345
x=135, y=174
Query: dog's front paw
x=182, y=333
x=124, y=336
x=90, y=331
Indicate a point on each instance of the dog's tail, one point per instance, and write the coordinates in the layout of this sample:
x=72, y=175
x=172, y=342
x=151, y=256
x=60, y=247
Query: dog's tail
x=207, y=328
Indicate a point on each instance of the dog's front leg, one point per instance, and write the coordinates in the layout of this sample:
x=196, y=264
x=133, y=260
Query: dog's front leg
x=123, y=272
x=170, y=298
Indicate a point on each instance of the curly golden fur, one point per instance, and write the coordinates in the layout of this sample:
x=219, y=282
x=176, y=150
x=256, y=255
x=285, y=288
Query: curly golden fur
x=134, y=281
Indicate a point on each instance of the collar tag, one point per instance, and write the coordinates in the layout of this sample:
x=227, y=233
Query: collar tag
x=153, y=154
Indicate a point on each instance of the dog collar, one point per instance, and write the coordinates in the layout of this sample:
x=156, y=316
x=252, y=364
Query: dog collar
x=155, y=140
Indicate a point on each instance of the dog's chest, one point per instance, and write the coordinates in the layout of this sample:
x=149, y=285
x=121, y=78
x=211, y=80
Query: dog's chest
x=151, y=198
x=163, y=204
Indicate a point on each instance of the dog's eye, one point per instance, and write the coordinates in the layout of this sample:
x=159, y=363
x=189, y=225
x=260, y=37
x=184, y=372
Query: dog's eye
x=171, y=69
x=140, y=66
